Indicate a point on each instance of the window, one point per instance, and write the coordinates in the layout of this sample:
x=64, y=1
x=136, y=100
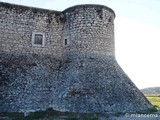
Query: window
x=110, y=19
x=38, y=39
x=65, y=41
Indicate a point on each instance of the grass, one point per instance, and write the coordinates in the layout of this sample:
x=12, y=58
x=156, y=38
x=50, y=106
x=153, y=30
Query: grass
x=31, y=116
x=50, y=114
x=155, y=101
x=149, y=111
x=72, y=117
x=118, y=114
x=81, y=117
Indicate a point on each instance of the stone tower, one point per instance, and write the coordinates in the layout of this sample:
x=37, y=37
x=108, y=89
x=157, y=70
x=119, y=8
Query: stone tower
x=90, y=30
x=75, y=70
x=92, y=80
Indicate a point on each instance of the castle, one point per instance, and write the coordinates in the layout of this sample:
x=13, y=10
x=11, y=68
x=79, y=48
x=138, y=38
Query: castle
x=64, y=60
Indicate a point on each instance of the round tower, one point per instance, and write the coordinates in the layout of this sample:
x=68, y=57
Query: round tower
x=88, y=31
x=86, y=79
x=91, y=80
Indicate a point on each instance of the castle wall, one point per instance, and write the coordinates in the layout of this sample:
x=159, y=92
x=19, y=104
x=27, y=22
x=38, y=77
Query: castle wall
x=84, y=34
x=29, y=81
x=17, y=24
x=89, y=30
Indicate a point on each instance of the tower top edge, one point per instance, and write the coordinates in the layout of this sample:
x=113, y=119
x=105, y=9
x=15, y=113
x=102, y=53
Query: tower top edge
x=87, y=6
x=17, y=6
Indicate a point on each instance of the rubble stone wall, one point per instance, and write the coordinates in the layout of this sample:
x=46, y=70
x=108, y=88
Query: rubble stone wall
x=17, y=24
x=75, y=70
x=90, y=30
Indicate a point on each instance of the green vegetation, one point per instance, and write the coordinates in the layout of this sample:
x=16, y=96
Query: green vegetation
x=155, y=101
x=118, y=114
x=49, y=114
x=90, y=118
x=13, y=115
x=74, y=117
x=149, y=111
x=107, y=117
x=32, y=116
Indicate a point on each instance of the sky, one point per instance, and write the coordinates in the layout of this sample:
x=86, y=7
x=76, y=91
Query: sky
x=137, y=34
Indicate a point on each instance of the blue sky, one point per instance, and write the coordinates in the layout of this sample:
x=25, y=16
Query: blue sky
x=137, y=34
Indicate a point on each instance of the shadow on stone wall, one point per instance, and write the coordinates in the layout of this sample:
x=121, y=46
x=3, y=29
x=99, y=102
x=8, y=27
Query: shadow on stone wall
x=31, y=82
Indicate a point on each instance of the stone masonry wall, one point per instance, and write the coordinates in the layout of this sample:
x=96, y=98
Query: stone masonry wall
x=27, y=81
x=81, y=76
x=90, y=31
x=17, y=23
